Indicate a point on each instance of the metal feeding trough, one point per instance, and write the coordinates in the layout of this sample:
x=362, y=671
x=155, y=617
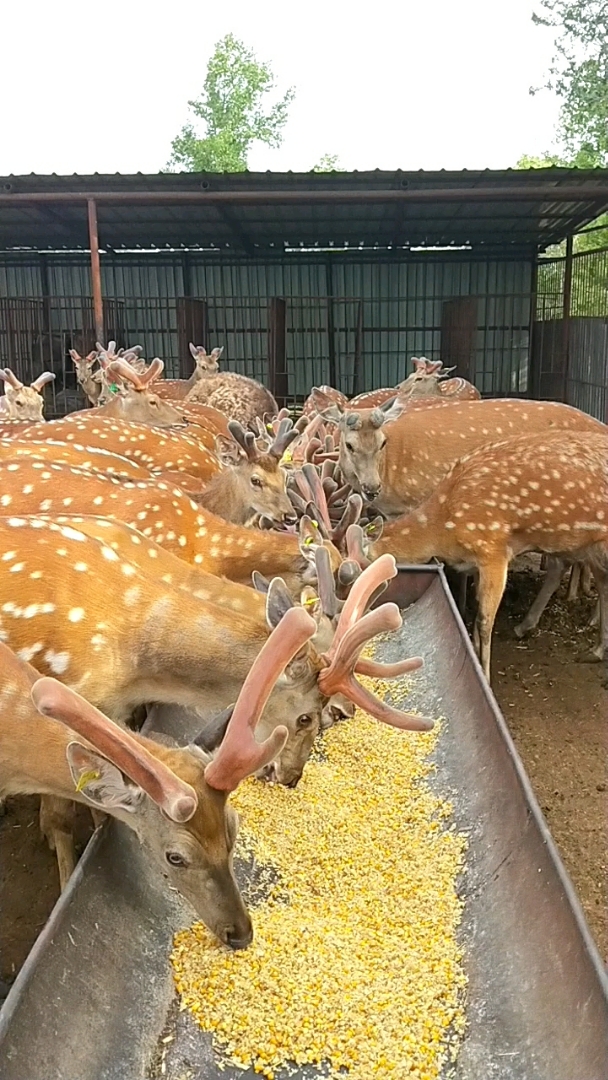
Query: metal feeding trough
x=95, y=998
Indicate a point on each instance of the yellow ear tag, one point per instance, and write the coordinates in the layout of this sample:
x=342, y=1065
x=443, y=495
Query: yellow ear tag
x=86, y=777
x=316, y=524
x=270, y=428
x=287, y=457
x=308, y=541
x=371, y=528
x=311, y=601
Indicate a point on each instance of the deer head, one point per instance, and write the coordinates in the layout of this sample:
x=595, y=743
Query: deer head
x=256, y=481
x=424, y=380
x=206, y=363
x=24, y=402
x=362, y=442
x=176, y=799
x=140, y=405
x=85, y=374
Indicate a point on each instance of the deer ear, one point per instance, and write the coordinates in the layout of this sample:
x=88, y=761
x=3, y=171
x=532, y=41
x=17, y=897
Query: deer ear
x=102, y=784
x=278, y=602
x=193, y=350
x=260, y=583
x=310, y=538
x=228, y=451
x=311, y=603
x=216, y=353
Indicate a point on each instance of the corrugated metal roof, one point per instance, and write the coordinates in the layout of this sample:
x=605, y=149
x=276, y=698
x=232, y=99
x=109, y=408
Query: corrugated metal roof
x=506, y=213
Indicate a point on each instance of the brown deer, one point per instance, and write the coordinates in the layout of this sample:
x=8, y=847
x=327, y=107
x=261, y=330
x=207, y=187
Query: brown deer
x=335, y=396
x=396, y=463
x=544, y=492
x=86, y=375
x=253, y=481
x=139, y=403
x=166, y=515
x=162, y=450
x=236, y=396
x=23, y=402
x=204, y=364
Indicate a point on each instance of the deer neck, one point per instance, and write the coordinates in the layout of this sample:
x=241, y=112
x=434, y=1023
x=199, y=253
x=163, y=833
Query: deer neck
x=273, y=554
x=224, y=496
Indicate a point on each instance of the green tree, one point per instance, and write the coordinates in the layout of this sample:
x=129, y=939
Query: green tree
x=579, y=76
x=235, y=112
x=328, y=163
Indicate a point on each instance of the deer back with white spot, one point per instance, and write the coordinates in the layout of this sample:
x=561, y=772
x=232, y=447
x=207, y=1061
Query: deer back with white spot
x=544, y=492
x=410, y=451
x=24, y=402
x=158, y=449
x=237, y=396
x=91, y=458
x=164, y=514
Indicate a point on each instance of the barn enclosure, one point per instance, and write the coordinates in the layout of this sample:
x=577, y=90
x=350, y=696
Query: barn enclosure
x=312, y=279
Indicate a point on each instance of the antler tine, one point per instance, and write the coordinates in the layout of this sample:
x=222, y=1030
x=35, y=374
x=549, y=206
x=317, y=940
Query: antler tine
x=177, y=798
x=325, y=583
x=351, y=515
x=297, y=502
x=311, y=449
x=318, y=494
x=239, y=754
x=153, y=372
x=379, y=572
x=283, y=438
x=339, y=676
x=245, y=439
x=355, y=546
x=123, y=370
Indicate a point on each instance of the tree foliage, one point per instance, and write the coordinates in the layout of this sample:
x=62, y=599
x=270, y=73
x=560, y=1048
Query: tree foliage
x=579, y=76
x=235, y=112
x=328, y=163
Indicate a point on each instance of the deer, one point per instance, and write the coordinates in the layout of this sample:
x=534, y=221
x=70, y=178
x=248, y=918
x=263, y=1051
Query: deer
x=86, y=374
x=428, y=379
x=166, y=516
x=253, y=481
x=395, y=460
x=91, y=459
x=23, y=402
x=163, y=450
x=139, y=403
x=542, y=491
x=204, y=364
x=335, y=396
x=115, y=632
x=237, y=396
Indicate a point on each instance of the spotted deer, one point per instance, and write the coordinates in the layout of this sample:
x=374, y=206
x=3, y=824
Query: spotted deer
x=544, y=492
x=139, y=403
x=336, y=397
x=396, y=460
x=92, y=459
x=166, y=515
x=237, y=396
x=162, y=450
x=21, y=402
x=204, y=364
x=86, y=374
x=428, y=379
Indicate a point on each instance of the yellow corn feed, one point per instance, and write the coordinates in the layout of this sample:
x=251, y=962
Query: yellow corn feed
x=355, y=966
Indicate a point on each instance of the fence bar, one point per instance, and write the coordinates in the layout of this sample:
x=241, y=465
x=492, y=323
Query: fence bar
x=566, y=315
x=95, y=270
x=277, y=350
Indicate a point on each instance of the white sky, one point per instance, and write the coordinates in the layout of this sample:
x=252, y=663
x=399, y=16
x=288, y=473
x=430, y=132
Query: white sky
x=405, y=84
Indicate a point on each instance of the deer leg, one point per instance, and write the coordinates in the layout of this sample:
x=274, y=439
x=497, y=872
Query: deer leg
x=574, y=583
x=595, y=618
x=586, y=580
x=56, y=825
x=492, y=581
x=550, y=585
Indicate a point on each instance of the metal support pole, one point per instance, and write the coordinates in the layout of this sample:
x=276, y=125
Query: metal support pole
x=566, y=317
x=277, y=350
x=331, y=340
x=95, y=270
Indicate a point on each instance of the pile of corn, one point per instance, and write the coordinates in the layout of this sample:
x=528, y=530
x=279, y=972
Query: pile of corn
x=355, y=966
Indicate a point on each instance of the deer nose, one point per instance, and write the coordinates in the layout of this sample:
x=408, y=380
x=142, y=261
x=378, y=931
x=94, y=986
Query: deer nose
x=290, y=519
x=235, y=939
x=293, y=783
x=371, y=493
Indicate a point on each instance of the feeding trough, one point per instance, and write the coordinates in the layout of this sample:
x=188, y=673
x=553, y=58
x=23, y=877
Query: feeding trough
x=95, y=999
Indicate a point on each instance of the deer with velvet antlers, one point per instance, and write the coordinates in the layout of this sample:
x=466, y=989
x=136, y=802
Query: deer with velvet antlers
x=21, y=402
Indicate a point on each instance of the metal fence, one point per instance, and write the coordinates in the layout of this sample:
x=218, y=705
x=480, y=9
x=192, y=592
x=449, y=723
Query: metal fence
x=290, y=344
x=570, y=332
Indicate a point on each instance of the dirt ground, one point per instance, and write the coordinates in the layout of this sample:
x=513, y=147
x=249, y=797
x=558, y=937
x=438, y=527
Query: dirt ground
x=558, y=716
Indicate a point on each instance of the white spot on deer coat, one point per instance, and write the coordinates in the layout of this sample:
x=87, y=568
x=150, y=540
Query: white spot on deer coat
x=58, y=662
x=76, y=614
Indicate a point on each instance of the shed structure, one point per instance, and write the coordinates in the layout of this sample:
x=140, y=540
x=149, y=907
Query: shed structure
x=309, y=278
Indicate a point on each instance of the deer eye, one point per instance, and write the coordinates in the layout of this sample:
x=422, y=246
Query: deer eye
x=20, y=401
x=174, y=858
x=256, y=482
x=350, y=446
x=383, y=444
x=304, y=721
